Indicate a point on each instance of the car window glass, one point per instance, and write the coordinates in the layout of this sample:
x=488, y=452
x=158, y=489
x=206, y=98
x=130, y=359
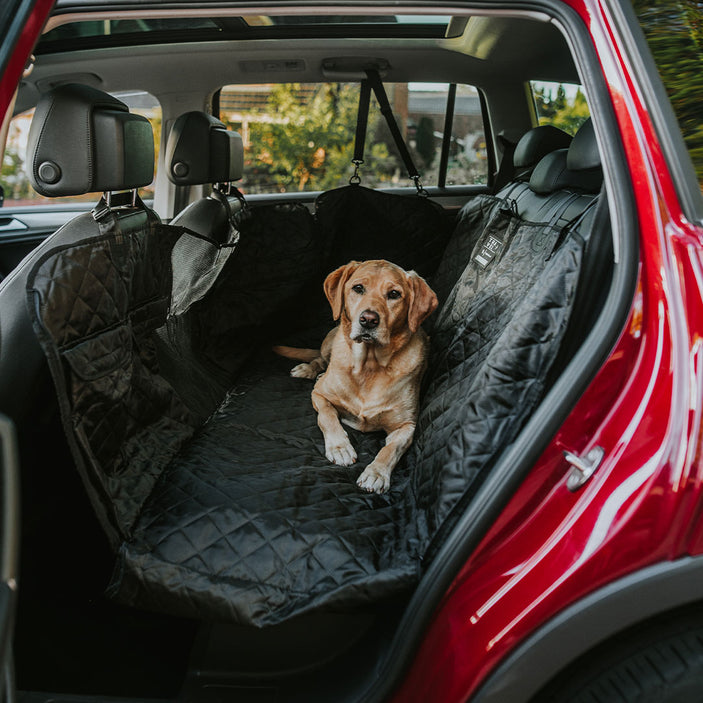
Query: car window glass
x=14, y=178
x=563, y=105
x=300, y=137
x=674, y=32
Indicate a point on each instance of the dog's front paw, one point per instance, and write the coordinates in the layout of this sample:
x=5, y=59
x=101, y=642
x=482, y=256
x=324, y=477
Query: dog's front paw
x=341, y=453
x=304, y=371
x=373, y=480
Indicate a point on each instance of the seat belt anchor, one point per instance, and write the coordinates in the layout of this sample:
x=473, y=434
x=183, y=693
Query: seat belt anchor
x=356, y=178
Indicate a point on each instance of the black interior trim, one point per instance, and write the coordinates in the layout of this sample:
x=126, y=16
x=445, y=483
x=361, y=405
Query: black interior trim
x=490, y=144
x=447, y=136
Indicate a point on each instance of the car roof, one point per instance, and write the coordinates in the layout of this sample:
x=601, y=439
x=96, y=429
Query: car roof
x=164, y=46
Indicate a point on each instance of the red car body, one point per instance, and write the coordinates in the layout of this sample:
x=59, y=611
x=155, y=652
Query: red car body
x=552, y=548
x=556, y=559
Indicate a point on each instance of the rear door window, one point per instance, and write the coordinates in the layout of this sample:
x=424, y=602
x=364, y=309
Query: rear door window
x=563, y=105
x=300, y=137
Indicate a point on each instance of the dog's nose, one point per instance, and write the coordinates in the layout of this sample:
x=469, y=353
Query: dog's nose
x=368, y=319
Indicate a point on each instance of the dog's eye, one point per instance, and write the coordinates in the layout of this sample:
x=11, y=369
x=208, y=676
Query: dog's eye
x=394, y=294
x=358, y=288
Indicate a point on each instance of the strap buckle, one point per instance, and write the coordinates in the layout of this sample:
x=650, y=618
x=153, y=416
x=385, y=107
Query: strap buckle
x=356, y=178
x=418, y=185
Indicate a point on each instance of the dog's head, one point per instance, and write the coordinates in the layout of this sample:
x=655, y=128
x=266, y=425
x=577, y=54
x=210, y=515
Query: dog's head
x=377, y=300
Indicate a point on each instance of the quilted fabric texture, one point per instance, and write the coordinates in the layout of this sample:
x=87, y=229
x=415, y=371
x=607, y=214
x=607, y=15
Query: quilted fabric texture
x=251, y=523
x=97, y=305
x=297, y=533
x=260, y=285
x=357, y=223
x=497, y=337
x=471, y=222
x=243, y=519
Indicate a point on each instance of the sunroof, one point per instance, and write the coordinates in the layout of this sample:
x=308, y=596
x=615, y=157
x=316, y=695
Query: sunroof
x=131, y=30
x=307, y=20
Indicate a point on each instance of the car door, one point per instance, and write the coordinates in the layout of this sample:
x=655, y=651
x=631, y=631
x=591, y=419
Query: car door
x=20, y=24
x=23, y=229
x=9, y=545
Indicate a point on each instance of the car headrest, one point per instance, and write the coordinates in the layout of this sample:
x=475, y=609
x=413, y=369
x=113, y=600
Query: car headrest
x=551, y=173
x=201, y=149
x=577, y=168
x=83, y=140
x=583, y=152
x=536, y=144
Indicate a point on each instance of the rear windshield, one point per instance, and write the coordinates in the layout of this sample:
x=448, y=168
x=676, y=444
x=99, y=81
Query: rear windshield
x=300, y=136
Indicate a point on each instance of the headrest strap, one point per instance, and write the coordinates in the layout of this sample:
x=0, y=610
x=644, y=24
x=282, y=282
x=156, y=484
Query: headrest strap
x=362, y=119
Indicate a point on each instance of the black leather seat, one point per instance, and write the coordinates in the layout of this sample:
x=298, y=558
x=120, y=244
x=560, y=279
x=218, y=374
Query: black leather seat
x=564, y=182
x=81, y=140
x=200, y=151
x=534, y=145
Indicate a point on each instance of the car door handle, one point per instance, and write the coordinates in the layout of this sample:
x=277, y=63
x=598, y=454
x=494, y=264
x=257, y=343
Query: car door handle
x=583, y=467
x=11, y=224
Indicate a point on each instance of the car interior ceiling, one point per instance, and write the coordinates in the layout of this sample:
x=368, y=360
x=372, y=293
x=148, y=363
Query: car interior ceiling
x=518, y=50
x=72, y=639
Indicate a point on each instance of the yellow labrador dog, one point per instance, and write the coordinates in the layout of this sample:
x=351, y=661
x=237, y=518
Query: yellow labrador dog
x=369, y=367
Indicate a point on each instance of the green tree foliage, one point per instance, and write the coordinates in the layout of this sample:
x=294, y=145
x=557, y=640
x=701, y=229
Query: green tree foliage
x=13, y=178
x=559, y=110
x=674, y=31
x=307, y=141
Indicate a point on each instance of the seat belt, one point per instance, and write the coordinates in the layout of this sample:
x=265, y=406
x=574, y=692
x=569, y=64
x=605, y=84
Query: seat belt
x=362, y=119
x=373, y=82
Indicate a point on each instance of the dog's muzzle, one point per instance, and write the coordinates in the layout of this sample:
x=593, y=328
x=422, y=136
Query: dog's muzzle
x=365, y=328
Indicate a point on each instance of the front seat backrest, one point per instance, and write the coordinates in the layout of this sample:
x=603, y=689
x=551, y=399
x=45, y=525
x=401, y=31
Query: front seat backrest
x=81, y=140
x=202, y=151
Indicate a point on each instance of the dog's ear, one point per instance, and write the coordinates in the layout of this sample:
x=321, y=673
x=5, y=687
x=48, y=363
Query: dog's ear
x=423, y=301
x=334, y=286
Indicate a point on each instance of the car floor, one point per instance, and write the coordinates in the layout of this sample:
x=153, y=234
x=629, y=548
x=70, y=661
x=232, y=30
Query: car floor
x=71, y=640
x=68, y=636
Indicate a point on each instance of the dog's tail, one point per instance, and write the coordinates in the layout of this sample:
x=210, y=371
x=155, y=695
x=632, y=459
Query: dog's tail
x=298, y=354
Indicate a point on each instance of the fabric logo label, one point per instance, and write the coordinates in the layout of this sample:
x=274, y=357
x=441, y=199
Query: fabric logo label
x=490, y=249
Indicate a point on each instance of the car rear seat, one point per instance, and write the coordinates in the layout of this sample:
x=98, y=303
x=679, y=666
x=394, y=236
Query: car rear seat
x=247, y=521
x=284, y=514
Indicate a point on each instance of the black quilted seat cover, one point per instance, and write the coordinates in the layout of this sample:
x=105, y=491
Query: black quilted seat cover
x=243, y=519
x=470, y=224
x=97, y=305
x=251, y=523
x=493, y=344
x=261, y=285
x=356, y=222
